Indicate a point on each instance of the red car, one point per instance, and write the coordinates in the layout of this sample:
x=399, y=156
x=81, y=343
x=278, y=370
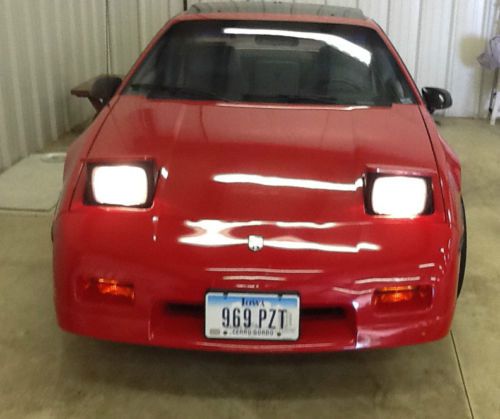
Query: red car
x=267, y=178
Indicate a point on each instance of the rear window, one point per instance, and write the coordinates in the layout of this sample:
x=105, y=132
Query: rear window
x=274, y=62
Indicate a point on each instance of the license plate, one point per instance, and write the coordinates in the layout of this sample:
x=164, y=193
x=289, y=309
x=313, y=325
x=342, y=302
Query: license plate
x=252, y=316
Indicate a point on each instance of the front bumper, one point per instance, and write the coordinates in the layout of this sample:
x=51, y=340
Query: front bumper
x=171, y=277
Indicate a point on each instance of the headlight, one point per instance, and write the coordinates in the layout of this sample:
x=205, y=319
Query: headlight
x=123, y=185
x=400, y=196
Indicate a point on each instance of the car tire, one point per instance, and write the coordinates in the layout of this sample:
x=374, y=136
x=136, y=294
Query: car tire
x=463, y=254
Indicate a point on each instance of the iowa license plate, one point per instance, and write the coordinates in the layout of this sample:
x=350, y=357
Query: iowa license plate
x=252, y=316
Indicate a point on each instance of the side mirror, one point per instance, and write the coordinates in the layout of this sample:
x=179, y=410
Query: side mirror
x=436, y=98
x=103, y=89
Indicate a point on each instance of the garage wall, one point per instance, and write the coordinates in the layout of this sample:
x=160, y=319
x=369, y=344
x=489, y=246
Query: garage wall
x=49, y=46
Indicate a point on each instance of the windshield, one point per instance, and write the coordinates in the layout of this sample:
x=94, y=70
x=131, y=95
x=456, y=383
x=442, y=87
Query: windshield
x=275, y=62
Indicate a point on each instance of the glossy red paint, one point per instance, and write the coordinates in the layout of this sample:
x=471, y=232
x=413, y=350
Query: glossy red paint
x=193, y=238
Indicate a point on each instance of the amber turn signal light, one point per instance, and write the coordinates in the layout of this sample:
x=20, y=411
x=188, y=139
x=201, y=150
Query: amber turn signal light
x=110, y=289
x=403, y=297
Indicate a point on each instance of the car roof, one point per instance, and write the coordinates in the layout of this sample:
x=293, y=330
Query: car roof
x=277, y=8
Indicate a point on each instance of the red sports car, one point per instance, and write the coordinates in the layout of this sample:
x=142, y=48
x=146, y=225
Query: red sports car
x=267, y=178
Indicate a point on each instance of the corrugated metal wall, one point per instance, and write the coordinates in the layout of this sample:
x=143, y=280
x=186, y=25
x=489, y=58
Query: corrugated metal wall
x=49, y=46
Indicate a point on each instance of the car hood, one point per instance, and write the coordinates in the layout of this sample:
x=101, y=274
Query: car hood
x=255, y=162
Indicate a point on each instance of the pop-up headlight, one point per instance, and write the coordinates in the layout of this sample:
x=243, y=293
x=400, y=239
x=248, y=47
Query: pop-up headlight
x=400, y=196
x=119, y=185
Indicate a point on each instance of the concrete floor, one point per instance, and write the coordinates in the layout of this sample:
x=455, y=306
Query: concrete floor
x=45, y=373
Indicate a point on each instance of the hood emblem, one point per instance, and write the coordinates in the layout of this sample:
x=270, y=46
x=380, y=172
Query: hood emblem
x=255, y=243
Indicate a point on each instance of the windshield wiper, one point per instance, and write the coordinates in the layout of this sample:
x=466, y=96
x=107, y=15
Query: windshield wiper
x=329, y=100
x=160, y=91
x=309, y=99
x=295, y=99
